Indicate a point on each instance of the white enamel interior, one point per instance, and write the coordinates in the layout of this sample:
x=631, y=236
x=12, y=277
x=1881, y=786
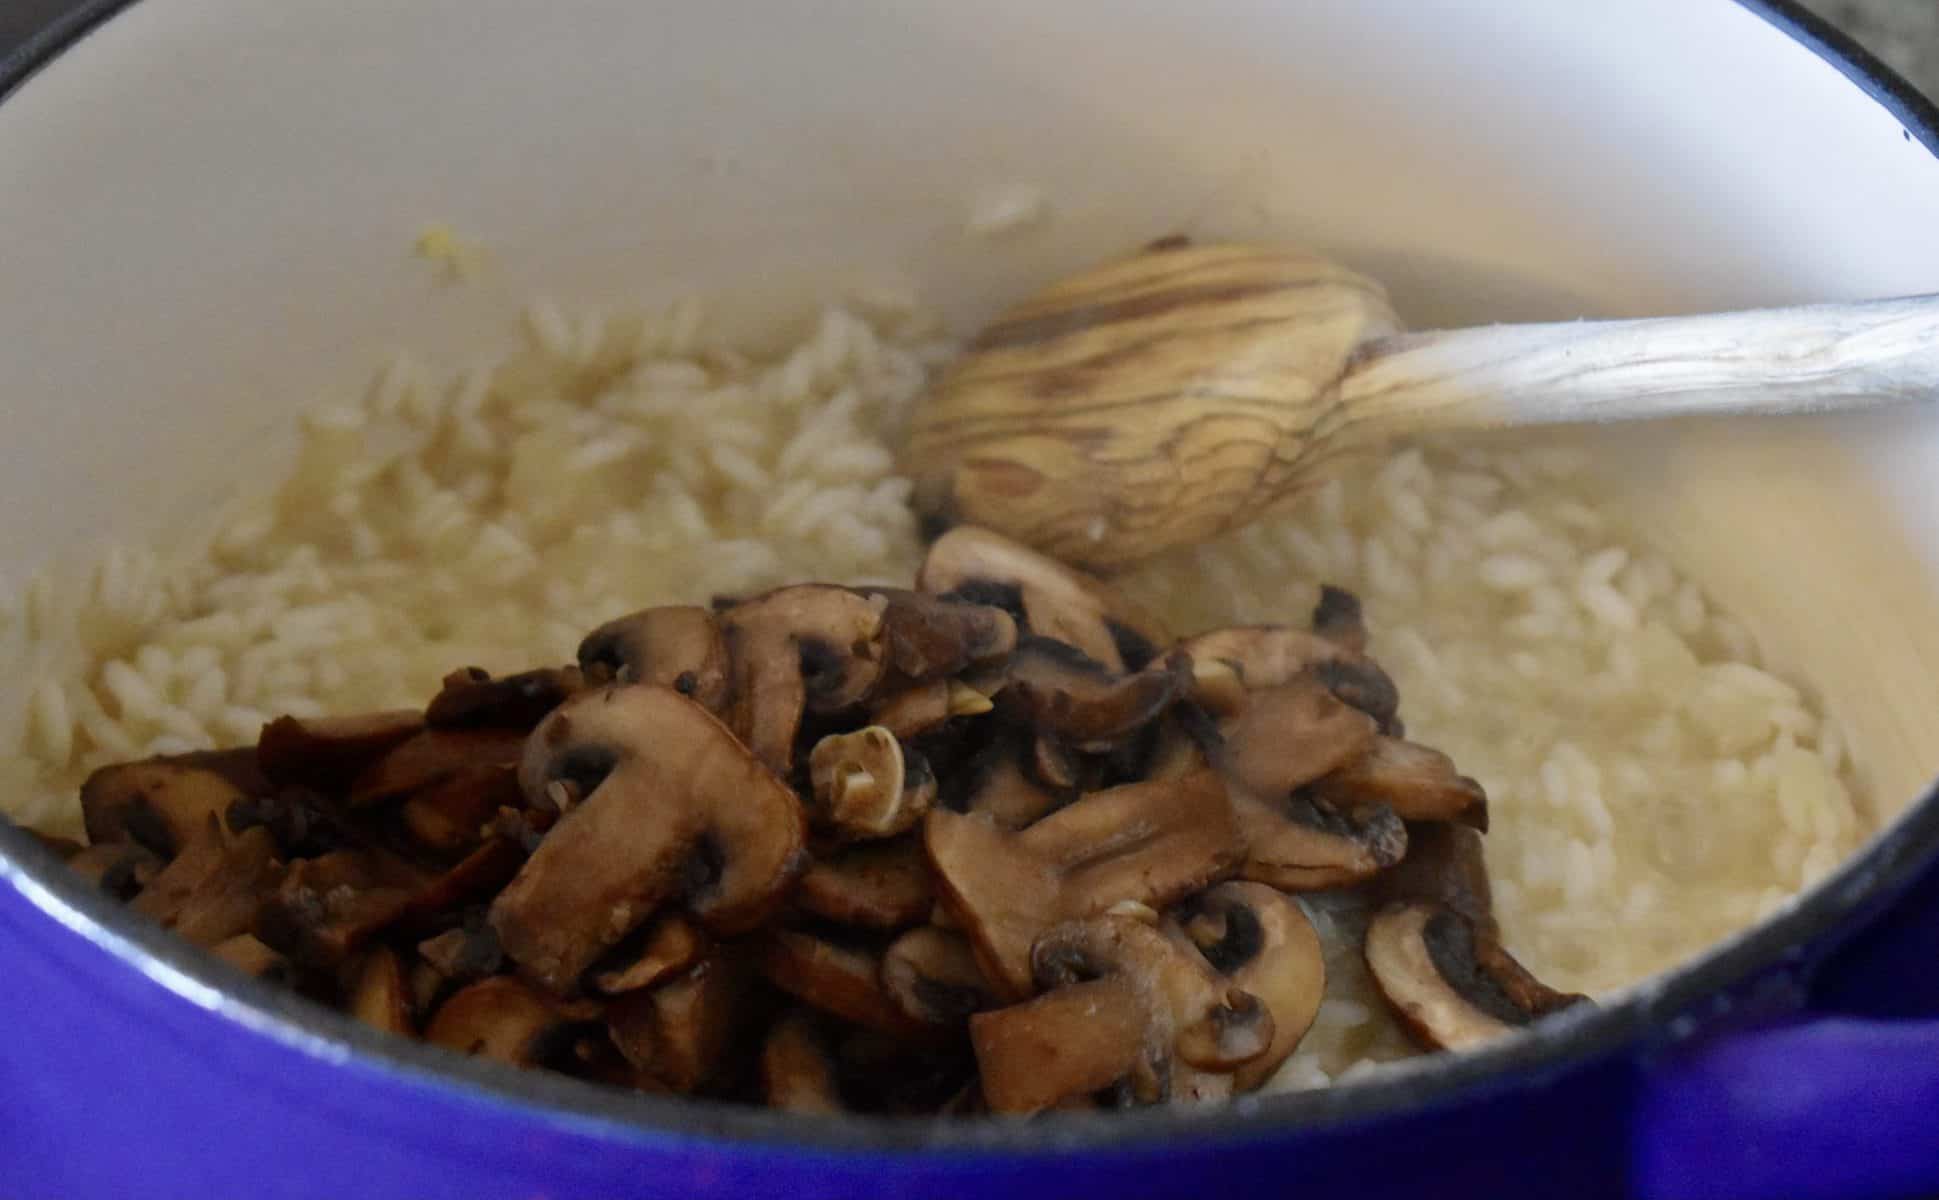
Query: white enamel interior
x=206, y=211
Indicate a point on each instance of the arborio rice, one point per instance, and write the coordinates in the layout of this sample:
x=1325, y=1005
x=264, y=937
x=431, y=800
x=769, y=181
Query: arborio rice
x=1652, y=788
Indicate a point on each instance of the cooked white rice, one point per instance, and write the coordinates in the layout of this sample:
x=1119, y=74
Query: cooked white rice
x=1652, y=788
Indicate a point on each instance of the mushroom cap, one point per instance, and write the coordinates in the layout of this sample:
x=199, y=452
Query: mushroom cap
x=1444, y=865
x=1451, y=989
x=1261, y=941
x=814, y=646
x=1056, y=688
x=675, y=809
x=1053, y=600
x=1300, y=845
x=676, y=646
x=926, y=637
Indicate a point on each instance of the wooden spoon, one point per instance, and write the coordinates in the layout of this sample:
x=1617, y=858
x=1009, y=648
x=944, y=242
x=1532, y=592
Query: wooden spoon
x=1185, y=391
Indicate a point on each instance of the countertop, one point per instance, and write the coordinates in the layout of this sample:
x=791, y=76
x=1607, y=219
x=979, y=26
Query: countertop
x=1904, y=33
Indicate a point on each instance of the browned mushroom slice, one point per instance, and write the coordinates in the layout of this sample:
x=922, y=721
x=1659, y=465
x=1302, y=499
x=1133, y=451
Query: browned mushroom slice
x=675, y=810
x=930, y=638
x=331, y=751
x=329, y=906
x=1288, y=736
x=1177, y=1029
x=1053, y=600
x=922, y=707
x=450, y=816
x=1150, y=842
x=1338, y=619
x=1449, y=988
x=1003, y=791
x=248, y=955
x=873, y=885
x=480, y=873
x=501, y=1018
x=161, y=803
x=216, y=887
x=1058, y=689
x=678, y=646
x=798, y=1068
x=121, y=869
x=1261, y=942
x=931, y=975
x=842, y=978
x=812, y=646
x=471, y=698
x=463, y=955
x=1303, y=845
x=683, y=1032
x=1444, y=865
x=378, y=996
x=668, y=945
x=430, y=758
x=1417, y=782
x=1270, y=656
x=867, y=786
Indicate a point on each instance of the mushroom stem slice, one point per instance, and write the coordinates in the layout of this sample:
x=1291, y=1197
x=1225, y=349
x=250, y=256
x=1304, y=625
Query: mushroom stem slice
x=1073, y=1042
x=1451, y=989
x=864, y=784
x=677, y=646
x=1417, y=782
x=675, y=810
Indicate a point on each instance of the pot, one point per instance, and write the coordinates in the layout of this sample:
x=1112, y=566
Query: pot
x=207, y=221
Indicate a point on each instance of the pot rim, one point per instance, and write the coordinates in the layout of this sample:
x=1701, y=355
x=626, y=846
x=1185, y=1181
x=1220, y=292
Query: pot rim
x=1641, y=1017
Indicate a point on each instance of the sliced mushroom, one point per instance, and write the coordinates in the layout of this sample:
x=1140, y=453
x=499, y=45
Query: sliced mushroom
x=121, y=869
x=931, y=975
x=675, y=810
x=432, y=757
x=811, y=646
x=161, y=803
x=480, y=873
x=328, y=907
x=1171, y=1028
x=216, y=887
x=929, y=638
x=663, y=948
x=684, y=1031
x=304, y=821
x=922, y=707
x=247, y=954
x=1053, y=600
x=1002, y=791
x=450, y=816
x=678, y=646
x=872, y=885
x=463, y=955
x=867, y=786
x=1417, y=782
x=1270, y=656
x=1449, y=988
x=501, y=1018
x=331, y=751
x=378, y=995
x=1261, y=942
x=1338, y=619
x=1445, y=866
x=1150, y=842
x=1288, y=736
x=472, y=699
x=1056, y=688
x=842, y=978
x=1303, y=845
x=798, y=1068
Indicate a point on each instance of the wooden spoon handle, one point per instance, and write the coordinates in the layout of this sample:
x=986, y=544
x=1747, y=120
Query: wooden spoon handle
x=1816, y=358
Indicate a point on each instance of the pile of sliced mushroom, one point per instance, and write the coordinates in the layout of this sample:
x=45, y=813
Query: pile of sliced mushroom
x=999, y=843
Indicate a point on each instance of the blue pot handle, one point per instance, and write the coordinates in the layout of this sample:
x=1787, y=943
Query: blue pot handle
x=1839, y=1108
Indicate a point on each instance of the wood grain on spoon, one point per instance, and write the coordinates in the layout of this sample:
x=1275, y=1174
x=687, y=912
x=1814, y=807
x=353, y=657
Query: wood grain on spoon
x=1166, y=398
